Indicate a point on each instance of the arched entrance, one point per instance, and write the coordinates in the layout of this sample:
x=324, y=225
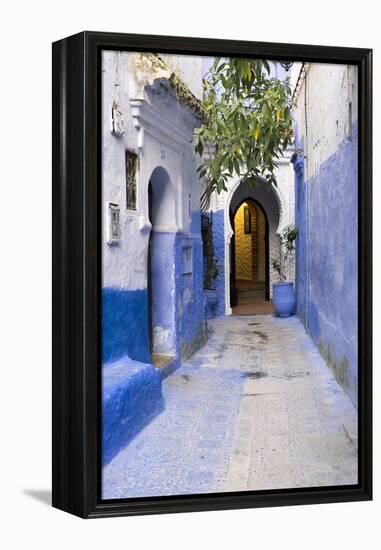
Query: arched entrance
x=249, y=254
x=161, y=268
x=269, y=202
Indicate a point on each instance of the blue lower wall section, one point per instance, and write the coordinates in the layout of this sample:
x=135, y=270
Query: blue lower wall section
x=178, y=314
x=131, y=386
x=131, y=397
x=327, y=260
x=219, y=252
x=163, y=298
x=195, y=224
x=190, y=308
x=125, y=325
x=301, y=245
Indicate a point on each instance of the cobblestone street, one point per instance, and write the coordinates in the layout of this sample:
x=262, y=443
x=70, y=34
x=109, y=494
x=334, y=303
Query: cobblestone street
x=256, y=408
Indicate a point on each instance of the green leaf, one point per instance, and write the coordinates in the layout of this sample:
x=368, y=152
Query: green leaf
x=247, y=121
x=236, y=166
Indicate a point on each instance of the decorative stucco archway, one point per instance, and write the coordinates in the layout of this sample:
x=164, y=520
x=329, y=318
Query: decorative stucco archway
x=273, y=203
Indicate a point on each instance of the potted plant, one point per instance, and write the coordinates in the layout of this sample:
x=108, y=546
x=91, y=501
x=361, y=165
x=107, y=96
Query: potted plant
x=284, y=299
x=210, y=274
x=210, y=263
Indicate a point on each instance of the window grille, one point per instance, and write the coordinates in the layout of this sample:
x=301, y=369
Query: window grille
x=131, y=177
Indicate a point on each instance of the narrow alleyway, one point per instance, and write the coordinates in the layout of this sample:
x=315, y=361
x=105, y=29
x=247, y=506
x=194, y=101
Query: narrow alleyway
x=256, y=408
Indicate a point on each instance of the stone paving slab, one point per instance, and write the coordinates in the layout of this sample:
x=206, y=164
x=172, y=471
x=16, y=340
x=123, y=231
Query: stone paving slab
x=186, y=449
x=256, y=408
x=303, y=425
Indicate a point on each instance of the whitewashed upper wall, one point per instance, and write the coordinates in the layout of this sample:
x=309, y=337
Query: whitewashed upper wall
x=189, y=68
x=114, y=72
x=327, y=90
x=166, y=142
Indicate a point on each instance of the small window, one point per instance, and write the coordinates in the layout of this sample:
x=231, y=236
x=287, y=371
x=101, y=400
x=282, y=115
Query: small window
x=131, y=176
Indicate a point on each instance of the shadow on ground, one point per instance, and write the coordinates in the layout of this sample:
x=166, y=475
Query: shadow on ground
x=42, y=495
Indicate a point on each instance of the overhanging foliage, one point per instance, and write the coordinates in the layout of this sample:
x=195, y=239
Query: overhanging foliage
x=248, y=123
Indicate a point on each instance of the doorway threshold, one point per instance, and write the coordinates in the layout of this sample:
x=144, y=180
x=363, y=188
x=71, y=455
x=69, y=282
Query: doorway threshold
x=258, y=308
x=165, y=363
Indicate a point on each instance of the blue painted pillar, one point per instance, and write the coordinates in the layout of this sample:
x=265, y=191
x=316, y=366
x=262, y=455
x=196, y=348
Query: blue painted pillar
x=301, y=271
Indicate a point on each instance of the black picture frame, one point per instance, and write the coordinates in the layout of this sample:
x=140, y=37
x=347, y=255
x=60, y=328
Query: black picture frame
x=76, y=274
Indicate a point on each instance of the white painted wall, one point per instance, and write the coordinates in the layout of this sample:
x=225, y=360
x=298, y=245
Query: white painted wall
x=189, y=68
x=159, y=129
x=327, y=89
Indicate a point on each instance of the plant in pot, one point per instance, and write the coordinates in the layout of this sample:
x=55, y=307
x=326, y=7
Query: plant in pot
x=210, y=274
x=284, y=299
x=210, y=264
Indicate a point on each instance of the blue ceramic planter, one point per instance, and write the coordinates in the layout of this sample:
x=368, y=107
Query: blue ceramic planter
x=284, y=300
x=211, y=298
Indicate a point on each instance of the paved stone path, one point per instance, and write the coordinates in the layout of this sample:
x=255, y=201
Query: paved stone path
x=256, y=408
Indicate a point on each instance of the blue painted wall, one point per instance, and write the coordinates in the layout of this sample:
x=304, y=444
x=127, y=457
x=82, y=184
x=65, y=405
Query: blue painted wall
x=125, y=324
x=125, y=330
x=219, y=252
x=131, y=386
x=179, y=311
x=163, y=283
x=327, y=260
x=131, y=397
x=195, y=225
x=191, y=323
x=301, y=223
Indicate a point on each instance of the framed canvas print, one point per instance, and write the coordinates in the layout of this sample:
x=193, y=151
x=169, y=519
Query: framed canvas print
x=211, y=273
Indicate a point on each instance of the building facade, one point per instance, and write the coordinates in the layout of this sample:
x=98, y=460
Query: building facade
x=153, y=308
x=154, y=305
x=326, y=199
x=276, y=205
